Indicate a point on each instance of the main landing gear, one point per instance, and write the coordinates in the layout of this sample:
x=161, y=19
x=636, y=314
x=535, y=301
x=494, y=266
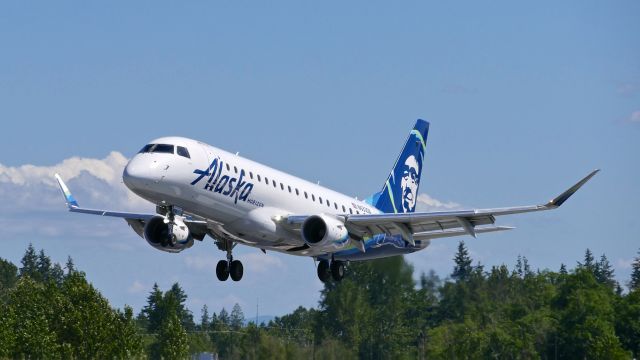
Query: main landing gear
x=229, y=267
x=327, y=270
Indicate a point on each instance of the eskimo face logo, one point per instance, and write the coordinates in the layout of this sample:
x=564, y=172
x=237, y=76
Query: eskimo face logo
x=409, y=183
x=236, y=188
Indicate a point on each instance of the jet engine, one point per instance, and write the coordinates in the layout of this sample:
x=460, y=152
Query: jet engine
x=170, y=236
x=325, y=232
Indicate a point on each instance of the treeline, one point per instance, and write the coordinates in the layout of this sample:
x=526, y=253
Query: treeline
x=377, y=312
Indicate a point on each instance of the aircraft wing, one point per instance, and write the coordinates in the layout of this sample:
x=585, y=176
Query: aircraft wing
x=440, y=223
x=135, y=220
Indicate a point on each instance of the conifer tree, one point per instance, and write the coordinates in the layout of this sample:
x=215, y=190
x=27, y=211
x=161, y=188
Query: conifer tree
x=44, y=266
x=152, y=311
x=30, y=263
x=462, y=260
x=634, y=284
x=223, y=318
x=589, y=262
x=8, y=275
x=237, y=317
x=563, y=269
x=204, y=318
x=604, y=272
x=70, y=266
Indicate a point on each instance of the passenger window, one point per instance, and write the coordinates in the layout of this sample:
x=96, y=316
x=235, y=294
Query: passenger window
x=281, y=186
x=289, y=187
x=182, y=151
x=358, y=212
x=274, y=183
x=235, y=169
x=328, y=203
x=251, y=175
x=350, y=211
x=305, y=195
x=297, y=192
x=313, y=197
x=259, y=178
x=344, y=210
x=335, y=205
x=228, y=168
x=319, y=198
x=266, y=180
x=145, y=148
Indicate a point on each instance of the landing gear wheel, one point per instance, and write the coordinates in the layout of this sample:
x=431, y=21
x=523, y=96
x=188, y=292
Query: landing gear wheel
x=222, y=270
x=323, y=271
x=236, y=270
x=337, y=270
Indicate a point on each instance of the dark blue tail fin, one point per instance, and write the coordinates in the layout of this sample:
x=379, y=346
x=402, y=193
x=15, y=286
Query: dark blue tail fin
x=400, y=192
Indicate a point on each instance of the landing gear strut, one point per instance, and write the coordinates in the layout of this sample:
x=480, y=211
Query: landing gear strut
x=327, y=270
x=229, y=267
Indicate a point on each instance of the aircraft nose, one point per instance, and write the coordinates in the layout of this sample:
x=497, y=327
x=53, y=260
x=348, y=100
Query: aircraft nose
x=136, y=173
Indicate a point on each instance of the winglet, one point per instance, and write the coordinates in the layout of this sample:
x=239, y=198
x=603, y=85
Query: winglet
x=560, y=199
x=68, y=197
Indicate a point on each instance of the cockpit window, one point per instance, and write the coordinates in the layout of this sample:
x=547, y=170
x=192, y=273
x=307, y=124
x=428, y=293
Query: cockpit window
x=182, y=151
x=162, y=148
x=157, y=148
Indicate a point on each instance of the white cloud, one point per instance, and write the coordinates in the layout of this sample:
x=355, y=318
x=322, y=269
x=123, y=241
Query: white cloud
x=137, y=287
x=628, y=88
x=201, y=262
x=427, y=203
x=94, y=182
x=624, y=263
x=634, y=117
x=260, y=263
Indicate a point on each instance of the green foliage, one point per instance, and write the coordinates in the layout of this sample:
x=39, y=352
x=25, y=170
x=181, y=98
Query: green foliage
x=172, y=339
x=462, y=261
x=628, y=321
x=8, y=276
x=49, y=315
x=377, y=312
x=634, y=284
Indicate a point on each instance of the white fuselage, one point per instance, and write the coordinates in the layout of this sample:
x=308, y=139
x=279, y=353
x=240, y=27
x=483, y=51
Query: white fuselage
x=239, y=197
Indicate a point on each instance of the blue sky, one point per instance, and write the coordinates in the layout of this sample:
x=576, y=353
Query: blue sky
x=523, y=100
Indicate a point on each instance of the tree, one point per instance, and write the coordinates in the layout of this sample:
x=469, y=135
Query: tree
x=205, y=320
x=237, y=317
x=30, y=263
x=589, y=262
x=223, y=318
x=43, y=265
x=179, y=298
x=586, y=318
x=604, y=272
x=152, y=312
x=172, y=339
x=563, y=269
x=462, y=260
x=8, y=275
x=634, y=284
x=70, y=266
x=628, y=322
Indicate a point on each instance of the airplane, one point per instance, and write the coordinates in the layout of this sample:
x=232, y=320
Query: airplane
x=202, y=190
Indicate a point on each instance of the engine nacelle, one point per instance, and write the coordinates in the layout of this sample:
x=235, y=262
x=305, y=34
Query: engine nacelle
x=325, y=232
x=170, y=237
